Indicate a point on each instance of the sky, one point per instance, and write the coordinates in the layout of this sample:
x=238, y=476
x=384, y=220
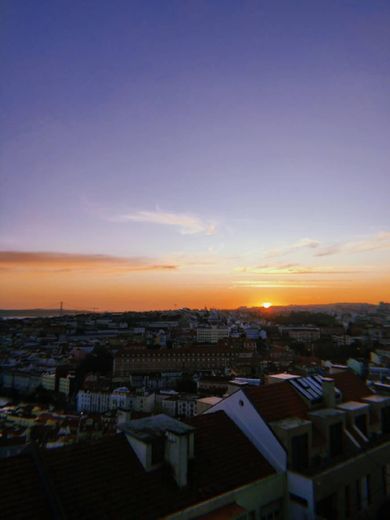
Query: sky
x=194, y=153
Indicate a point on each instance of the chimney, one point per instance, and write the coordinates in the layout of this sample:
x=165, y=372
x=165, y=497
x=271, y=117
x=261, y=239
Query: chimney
x=177, y=454
x=161, y=438
x=329, y=392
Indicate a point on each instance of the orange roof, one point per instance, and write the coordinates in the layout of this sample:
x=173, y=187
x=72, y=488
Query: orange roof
x=224, y=461
x=351, y=386
x=276, y=401
x=229, y=512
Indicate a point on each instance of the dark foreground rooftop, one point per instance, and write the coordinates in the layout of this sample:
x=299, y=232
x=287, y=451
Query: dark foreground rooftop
x=105, y=480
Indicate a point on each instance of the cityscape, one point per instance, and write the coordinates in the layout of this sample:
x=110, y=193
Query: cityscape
x=195, y=260
x=286, y=411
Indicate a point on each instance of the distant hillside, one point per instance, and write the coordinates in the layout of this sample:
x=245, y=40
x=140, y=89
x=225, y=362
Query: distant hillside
x=37, y=313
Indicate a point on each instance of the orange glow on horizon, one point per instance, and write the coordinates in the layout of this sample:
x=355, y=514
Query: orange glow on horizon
x=162, y=291
x=42, y=281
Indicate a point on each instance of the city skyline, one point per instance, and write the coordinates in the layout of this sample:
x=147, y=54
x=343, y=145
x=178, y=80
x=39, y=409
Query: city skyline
x=194, y=154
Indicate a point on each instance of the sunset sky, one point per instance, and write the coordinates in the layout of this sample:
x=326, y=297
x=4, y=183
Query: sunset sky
x=196, y=153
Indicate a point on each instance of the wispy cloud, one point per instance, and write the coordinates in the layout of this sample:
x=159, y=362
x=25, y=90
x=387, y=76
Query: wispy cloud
x=186, y=223
x=284, y=284
x=51, y=262
x=304, y=243
x=377, y=242
x=294, y=269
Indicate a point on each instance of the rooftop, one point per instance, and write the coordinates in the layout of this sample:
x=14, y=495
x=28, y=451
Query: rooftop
x=93, y=480
x=284, y=376
x=352, y=405
x=311, y=388
x=290, y=423
x=351, y=386
x=276, y=401
x=149, y=428
x=210, y=400
x=375, y=398
x=327, y=412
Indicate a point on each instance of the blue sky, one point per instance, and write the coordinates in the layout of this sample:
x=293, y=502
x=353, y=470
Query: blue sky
x=207, y=130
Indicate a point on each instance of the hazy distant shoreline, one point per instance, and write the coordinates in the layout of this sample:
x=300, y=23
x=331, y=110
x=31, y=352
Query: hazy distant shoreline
x=34, y=313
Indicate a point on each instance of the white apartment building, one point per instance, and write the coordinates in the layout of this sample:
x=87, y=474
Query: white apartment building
x=180, y=406
x=48, y=381
x=92, y=401
x=187, y=406
x=120, y=398
x=211, y=334
x=303, y=334
x=64, y=384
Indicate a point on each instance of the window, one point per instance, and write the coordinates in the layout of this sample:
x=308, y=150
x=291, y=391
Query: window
x=335, y=439
x=157, y=451
x=300, y=452
x=358, y=495
x=347, y=501
x=368, y=485
x=361, y=423
x=327, y=507
x=271, y=511
x=386, y=419
x=386, y=479
x=363, y=492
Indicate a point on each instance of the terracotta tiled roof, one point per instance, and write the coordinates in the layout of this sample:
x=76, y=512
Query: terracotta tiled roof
x=21, y=493
x=220, y=449
x=104, y=479
x=229, y=512
x=351, y=386
x=276, y=401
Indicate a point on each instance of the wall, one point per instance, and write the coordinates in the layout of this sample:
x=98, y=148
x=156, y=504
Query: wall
x=301, y=487
x=142, y=450
x=335, y=479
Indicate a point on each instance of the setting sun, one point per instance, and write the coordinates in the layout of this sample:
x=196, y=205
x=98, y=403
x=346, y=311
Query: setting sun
x=266, y=305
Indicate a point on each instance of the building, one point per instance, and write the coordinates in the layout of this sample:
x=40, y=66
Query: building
x=180, y=405
x=126, y=362
x=23, y=381
x=211, y=334
x=48, y=380
x=65, y=384
x=215, y=385
x=158, y=468
x=100, y=401
x=330, y=436
x=301, y=334
x=204, y=403
x=92, y=401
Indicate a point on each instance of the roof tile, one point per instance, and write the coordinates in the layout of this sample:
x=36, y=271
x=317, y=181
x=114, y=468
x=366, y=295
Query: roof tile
x=351, y=386
x=276, y=401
